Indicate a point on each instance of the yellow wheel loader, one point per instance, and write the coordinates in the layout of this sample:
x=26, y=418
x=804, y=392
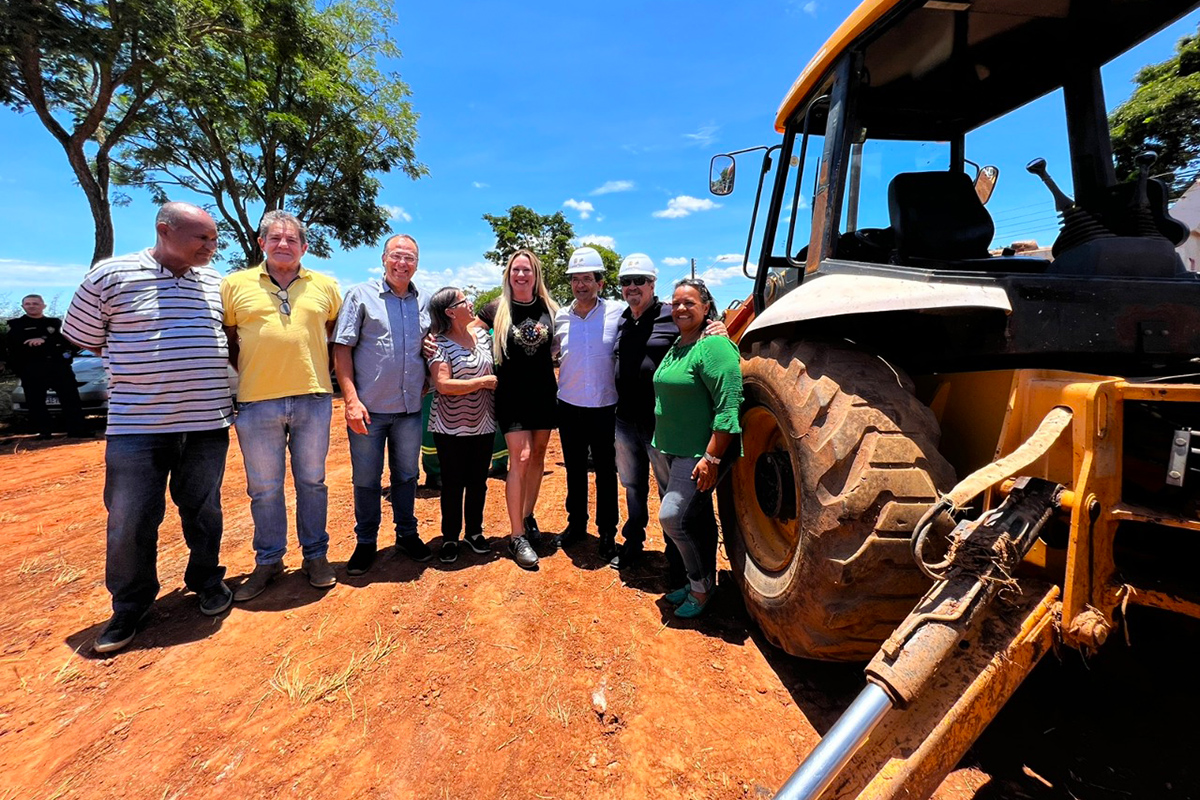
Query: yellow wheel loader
x=956, y=459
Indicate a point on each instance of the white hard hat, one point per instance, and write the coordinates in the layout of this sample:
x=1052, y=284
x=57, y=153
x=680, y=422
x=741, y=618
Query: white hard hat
x=637, y=264
x=585, y=259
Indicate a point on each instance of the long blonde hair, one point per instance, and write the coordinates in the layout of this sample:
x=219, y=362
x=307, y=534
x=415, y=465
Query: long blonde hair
x=503, y=319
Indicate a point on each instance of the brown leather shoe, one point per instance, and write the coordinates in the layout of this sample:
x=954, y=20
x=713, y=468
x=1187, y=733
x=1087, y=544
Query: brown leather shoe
x=257, y=582
x=320, y=573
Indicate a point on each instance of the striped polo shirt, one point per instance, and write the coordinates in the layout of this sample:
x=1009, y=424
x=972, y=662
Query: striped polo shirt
x=163, y=344
x=464, y=414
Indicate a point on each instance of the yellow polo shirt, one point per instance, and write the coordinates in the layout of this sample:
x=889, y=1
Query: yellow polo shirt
x=281, y=355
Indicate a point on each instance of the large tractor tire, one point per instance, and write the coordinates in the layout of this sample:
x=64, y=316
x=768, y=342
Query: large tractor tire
x=840, y=462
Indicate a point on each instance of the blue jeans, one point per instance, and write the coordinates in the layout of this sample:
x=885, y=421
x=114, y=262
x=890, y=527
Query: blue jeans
x=401, y=434
x=139, y=468
x=266, y=429
x=687, y=519
x=635, y=458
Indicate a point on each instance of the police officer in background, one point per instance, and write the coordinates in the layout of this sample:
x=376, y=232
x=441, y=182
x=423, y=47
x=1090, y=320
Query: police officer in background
x=41, y=357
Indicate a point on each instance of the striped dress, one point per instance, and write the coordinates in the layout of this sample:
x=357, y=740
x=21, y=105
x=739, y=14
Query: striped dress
x=464, y=414
x=164, y=347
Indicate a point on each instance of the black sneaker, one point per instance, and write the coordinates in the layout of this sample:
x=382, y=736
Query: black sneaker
x=522, y=553
x=568, y=537
x=608, y=546
x=628, y=555
x=361, y=559
x=215, y=599
x=449, y=552
x=533, y=534
x=120, y=631
x=414, y=548
x=477, y=543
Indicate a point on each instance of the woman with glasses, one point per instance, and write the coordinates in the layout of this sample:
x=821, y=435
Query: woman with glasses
x=698, y=391
x=462, y=418
x=526, y=392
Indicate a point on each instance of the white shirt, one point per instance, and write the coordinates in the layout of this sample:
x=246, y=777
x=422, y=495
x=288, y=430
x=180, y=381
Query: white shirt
x=587, y=371
x=166, y=352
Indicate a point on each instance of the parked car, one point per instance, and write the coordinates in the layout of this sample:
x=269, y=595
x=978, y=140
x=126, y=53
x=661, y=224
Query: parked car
x=92, y=380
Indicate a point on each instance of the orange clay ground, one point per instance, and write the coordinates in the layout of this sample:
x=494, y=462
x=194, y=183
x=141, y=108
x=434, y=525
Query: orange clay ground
x=478, y=680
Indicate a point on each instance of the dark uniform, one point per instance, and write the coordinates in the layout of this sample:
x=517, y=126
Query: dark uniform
x=43, y=367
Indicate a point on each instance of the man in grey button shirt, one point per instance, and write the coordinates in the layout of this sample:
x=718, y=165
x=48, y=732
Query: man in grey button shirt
x=379, y=366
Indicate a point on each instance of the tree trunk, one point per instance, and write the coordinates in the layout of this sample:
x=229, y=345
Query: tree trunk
x=97, y=195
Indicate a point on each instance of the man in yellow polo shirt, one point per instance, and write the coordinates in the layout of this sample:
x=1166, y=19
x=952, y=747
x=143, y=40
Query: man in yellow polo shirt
x=279, y=316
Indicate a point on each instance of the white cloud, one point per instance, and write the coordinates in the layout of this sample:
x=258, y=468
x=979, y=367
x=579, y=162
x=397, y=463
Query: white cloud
x=584, y=208
x=674, y=261
x=615, y=186
x=703, y=137
x=24, y=277
x=717, y=275
x=479, y=185
x=603, y=241
x=685, y=204
x=397, y=212
x=375, y=270
x=481, y=275
x=810, y=8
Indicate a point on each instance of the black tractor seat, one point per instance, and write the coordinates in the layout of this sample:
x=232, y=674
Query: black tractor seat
x=938, y=222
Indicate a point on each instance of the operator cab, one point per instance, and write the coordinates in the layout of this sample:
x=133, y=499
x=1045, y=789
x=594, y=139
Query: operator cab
x=918, y=76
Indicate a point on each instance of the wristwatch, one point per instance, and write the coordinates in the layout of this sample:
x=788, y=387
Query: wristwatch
x=710, y=458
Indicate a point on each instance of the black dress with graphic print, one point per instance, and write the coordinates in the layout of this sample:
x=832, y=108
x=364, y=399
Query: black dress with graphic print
x=526, y=390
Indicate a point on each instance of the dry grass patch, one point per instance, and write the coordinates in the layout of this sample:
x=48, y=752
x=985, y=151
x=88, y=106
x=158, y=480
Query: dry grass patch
x=62, y=571
x=304, y=687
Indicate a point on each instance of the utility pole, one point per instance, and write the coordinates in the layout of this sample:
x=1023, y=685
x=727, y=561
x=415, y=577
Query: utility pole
x=693, y=269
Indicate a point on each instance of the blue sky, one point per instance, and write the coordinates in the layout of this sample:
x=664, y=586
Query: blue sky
x=606, y=111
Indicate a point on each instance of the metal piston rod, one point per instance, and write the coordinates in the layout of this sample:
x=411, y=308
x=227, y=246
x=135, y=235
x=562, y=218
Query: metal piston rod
x=982, y=557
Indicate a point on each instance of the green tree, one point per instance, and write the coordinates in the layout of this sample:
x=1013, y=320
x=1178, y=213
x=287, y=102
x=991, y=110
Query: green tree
x=296, y=114
x=89, y=68
x=549, y=236
x=483, y=298
x=1163, y=115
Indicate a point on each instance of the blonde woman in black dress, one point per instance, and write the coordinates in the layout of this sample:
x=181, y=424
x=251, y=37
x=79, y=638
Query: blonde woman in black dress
x=526, y=391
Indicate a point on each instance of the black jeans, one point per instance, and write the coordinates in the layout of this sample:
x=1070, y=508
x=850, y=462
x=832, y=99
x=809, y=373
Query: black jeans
x=36, y=381
x=582, y=429
x=465, y=461
x=140, y=468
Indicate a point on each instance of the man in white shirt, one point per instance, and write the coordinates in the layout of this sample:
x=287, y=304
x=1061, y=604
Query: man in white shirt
x=585, y=333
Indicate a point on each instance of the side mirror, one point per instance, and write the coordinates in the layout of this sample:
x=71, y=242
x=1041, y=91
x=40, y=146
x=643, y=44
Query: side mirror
x=721, y=171
x=985, y=182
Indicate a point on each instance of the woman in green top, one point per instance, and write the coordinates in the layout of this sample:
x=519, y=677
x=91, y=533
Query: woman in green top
x=698, y=390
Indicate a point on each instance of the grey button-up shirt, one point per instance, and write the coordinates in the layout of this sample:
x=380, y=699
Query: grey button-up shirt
x=386, y=332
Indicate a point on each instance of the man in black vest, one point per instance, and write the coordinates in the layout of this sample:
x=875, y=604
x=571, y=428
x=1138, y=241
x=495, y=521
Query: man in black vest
x=41, y=357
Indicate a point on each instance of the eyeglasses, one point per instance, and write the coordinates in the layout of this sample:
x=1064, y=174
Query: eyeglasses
x=403, y=258
x=457, y=303
x=284, y=307
x=635, y=280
